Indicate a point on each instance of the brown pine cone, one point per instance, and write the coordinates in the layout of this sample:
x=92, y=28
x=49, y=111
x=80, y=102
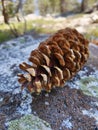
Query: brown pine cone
x=55, y=61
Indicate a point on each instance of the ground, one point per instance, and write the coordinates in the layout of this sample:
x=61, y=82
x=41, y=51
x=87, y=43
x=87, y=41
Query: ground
x=73, y=107
x=84, y=23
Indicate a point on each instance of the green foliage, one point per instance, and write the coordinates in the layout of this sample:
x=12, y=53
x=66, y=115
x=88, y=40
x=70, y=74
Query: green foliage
x=43, y=26
x=28, y=7
x=43, y=21
x=49, y=6
x=92, y=33
x=0, y=8
x=10, y=8
x=55, y=6
x=44, y=6
x=91, y=2
x=72, y=4
x=6, y=34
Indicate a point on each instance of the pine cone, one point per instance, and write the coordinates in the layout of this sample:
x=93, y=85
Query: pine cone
x=55, y=61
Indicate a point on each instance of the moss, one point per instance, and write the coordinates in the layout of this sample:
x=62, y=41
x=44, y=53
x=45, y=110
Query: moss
x=22, y=40
x=89, y=86
x=37, y=25
x=29, y=122
x=5, y=35
x=43, y=21
x=92, y=33
x=44, y=30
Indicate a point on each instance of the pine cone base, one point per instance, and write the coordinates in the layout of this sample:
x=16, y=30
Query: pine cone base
x=55, y=61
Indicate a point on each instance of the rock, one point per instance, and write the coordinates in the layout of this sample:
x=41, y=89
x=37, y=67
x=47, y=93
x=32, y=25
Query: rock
x=14, y=103
x=2, y=120
x=92, y=9
x=94, y=17
x=66, y=123
x=74, y=106
x=29, y=122
x=81, y=29
x=69, y=105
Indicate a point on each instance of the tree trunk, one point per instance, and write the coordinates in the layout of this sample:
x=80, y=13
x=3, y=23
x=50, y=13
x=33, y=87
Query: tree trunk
x=19, y=6
x=84, y=5
x=62, y=6
x=5, y=13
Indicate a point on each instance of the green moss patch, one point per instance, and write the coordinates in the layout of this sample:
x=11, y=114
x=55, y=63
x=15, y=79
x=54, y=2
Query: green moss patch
x=89, y=86
x=29, y=122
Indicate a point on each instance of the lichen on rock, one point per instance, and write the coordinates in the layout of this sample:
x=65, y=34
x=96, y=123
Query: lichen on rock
x=86, y=80
x=29, y=122
x=89, y=85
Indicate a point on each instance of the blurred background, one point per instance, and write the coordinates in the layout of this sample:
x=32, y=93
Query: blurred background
x=44, y=17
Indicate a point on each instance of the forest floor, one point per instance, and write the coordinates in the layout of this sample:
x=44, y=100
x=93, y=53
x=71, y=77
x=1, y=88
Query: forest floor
x=38, y=25
x=86, y=24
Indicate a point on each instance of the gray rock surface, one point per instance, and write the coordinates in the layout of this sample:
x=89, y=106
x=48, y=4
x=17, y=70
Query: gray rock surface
x=15, y=103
